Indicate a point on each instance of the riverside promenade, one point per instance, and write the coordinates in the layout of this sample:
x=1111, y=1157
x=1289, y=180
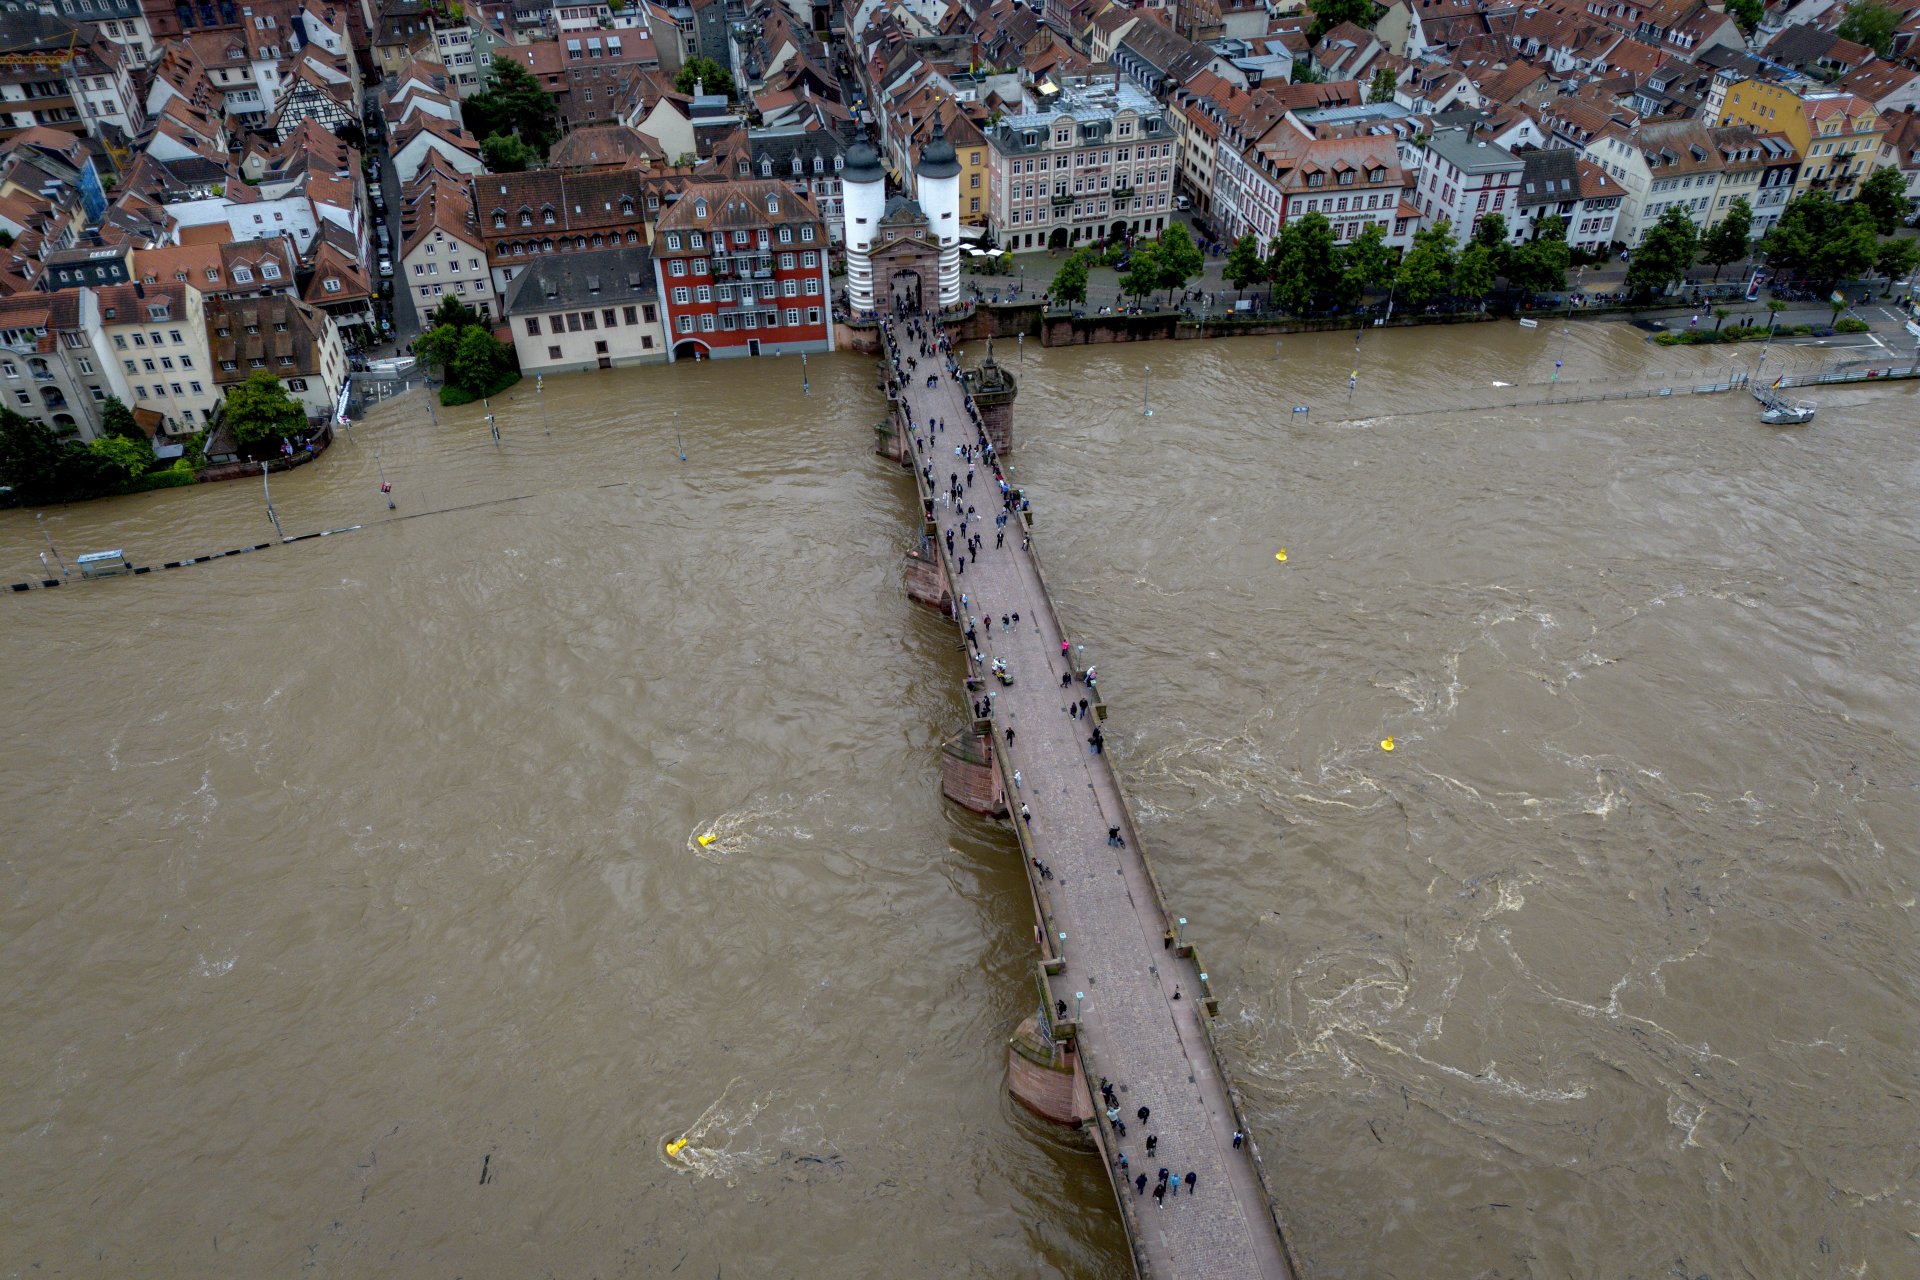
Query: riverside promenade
x=1107, y=935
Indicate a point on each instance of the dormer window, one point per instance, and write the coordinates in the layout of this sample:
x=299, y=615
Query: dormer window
x=626, y=208
x=766, y=168
x=699, y=207
x=773, y=204
x=243, y=275
x=270, y=270
x=158, y=311
x=546, y=214
x=699, y=241
x=499, y=220
x=332, y=284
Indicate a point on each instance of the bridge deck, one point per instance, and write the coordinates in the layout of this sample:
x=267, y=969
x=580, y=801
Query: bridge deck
x=1132, y=1029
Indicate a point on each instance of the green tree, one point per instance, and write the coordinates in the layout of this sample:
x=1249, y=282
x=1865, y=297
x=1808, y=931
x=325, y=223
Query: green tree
x=1180, y=258
x=481, y=363
x=30, y=459
x=1774, y=308
x=1884, y=196
x=436, y=346
x=1382, y=86
x=1664, y=255
x=1328, y=14
x=1746, y=14
x=1540, y=266
x=704, y=73
x=124, y=459
x=1070, y=281
x=1473, y=272
x=1244, y=265
x=1365, y=263
x=117, y=420
x=1426, y=273
x=1896, y=258
x=1491, y=231
x=1870, y=23
x=452, y=311
x=504, y=153
x=1730, y=239
x=260, y=413
x=1822, y=240
x=1304, y=264
x=1720, y=315
x=513, y=103
x=1144, y=272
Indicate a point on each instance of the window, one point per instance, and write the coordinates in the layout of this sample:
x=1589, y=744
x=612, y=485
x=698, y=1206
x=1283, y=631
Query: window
x=149, y=365
x=589, y=320
x=789, y=288
x=806, y=232
x=608, y=320
x=677, y=267
x=197, y=389
x=682, y=295
x=573, y=322
x=85, y=365
x=706, y=323
x=270, y=270
x=809, y=259
x=686, y=324
x=793, y=315
x=703, y=294
x=296, y=384
x=553, y=353
x=332, y=284
x=632, y=316
x=533, y=326
x=243, y=274
x=786, y=233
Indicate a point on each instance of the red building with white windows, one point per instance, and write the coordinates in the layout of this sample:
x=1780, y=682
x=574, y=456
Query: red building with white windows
x=742, y=268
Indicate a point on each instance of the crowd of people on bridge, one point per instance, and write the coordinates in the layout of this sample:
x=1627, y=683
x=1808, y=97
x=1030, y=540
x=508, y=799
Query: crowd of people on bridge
x=911, y=344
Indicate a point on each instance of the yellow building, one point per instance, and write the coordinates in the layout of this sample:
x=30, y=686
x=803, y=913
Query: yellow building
x=1838, y=135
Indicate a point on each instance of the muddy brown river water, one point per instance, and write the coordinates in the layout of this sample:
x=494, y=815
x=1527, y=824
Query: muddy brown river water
x=341, y=875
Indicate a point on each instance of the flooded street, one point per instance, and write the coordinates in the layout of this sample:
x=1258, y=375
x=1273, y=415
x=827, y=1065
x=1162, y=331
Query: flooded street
x=342, y=874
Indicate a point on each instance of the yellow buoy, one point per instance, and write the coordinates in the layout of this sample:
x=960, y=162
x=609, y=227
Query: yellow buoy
x=1386, y=744
x=707, y=839
x=1281, y=555
x=675, y=1147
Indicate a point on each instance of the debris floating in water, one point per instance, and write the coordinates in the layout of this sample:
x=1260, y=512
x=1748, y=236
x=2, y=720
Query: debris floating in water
x=1386, y=744
x=1281, y=555
x=675, y=1147
x=707, y=838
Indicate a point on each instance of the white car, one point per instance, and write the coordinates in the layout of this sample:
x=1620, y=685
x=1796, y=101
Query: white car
x=386, y=268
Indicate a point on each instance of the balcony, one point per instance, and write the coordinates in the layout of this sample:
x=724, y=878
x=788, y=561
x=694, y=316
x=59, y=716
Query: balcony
x=1121, y=195
x=1062, y=201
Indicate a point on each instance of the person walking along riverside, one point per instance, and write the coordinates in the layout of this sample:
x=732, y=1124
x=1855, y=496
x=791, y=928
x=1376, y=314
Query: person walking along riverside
x=1129, y=1025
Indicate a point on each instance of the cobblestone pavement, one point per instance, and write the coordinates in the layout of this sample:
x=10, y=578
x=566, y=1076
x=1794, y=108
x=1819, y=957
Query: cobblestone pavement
x=1140, y=1017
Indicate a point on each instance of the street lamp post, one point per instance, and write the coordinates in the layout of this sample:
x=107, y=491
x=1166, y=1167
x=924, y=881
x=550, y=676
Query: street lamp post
x=385, y=488
x=492, y=426
x=41, y=521
x=268, y=492
x=1078, y=997
x=1146, y=387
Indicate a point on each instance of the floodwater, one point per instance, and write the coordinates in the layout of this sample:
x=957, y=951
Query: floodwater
x=357, y=920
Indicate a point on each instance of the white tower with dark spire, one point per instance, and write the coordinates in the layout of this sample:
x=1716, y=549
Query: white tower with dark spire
x=863, y=204
x=938, y=174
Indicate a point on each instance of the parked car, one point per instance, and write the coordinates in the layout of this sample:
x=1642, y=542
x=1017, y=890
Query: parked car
x=386, y=267
x=380, y=234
